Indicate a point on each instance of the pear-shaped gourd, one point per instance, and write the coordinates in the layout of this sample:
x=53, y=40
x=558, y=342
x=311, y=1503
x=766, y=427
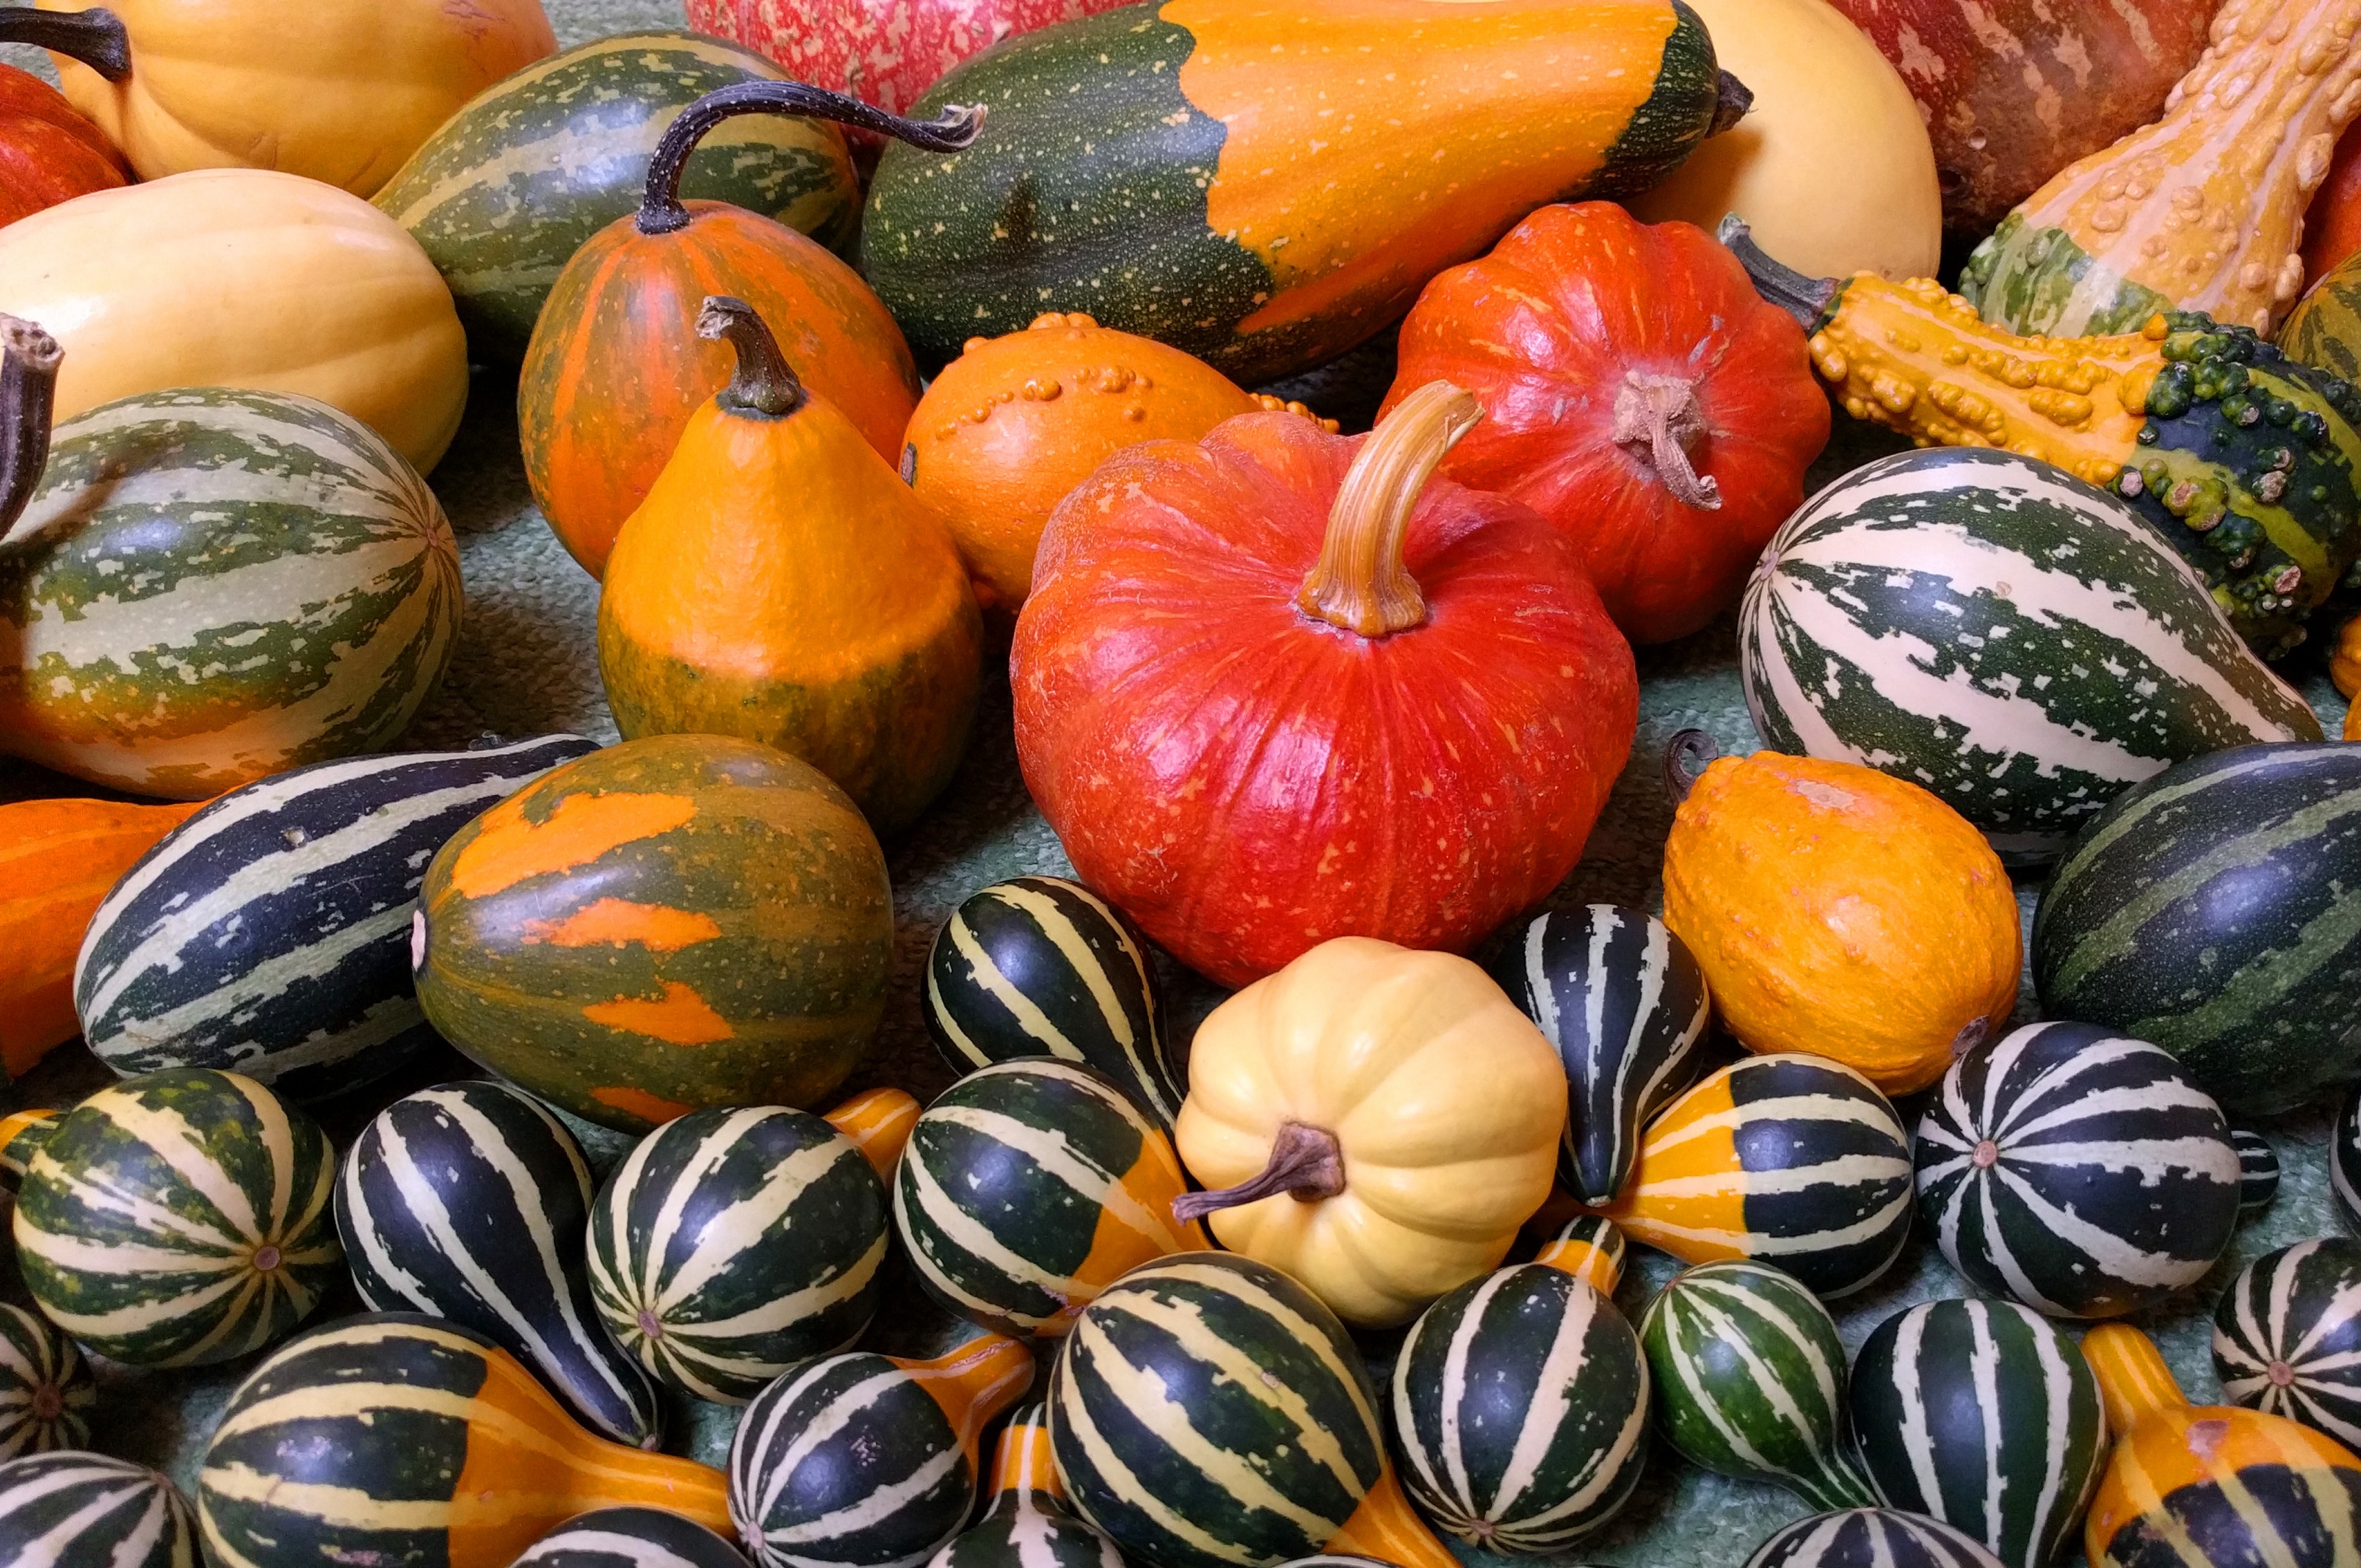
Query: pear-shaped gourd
x=1029, y=1524
x=630, y=1538
x=2287, y=1337
x=781, y=584
x=46, y=1389
x=76, y=1510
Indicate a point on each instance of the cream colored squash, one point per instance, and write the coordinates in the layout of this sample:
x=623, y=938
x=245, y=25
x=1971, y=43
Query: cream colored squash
x=1380, y=1120
x=1831, y=167
x=245, y=279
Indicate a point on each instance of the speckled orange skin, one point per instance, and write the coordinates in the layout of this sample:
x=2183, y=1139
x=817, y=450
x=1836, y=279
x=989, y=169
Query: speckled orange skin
x=1843, y=913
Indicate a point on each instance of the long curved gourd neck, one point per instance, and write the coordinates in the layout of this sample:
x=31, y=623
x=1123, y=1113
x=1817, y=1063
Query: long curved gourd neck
x=1024, y=1476
x=1360, y=583
x=95, y=37
x=28, y=361
x=2134, y=1383
x=1589, y=1248
x=1386, y=1528
x=877, y=1120
x=973, y=1384
x=660, y=211
x=1811, y=301
x=763, y=386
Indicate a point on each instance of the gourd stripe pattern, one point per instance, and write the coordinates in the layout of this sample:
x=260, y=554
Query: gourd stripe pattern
x=2286, y=1500
x=2258, y=1169
x=71, y=1509
x=2287, y=1337
x=1590, y=1248
x=2343, y=1161
x=1872, y=1537
x=21, y=1135
x=35, y=1359
x=630, y=1538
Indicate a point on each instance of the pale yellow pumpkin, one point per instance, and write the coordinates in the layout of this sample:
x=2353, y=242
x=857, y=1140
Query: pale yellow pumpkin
x=1381, y=1119
x=245, y=278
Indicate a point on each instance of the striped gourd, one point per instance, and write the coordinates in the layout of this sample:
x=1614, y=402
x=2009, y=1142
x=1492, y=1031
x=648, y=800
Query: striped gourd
x=2023, y=645
x=1031, y=1186
x=468, y=1202
x=180, y=1218
x=504, y=194
x=2287, y=1337
x=1870, y=1537
x=269, y=933
x=1043, y=966
x=1625, y=1003
x=2324, y=329
x=731, y=1245
x=1983, y=1415
x=630, y=1538
x=23, y=1133
x=76, y=1510
x=2214, y=911
x=868, y=1461
x=1791, y=1161
x=2343, y=1161
x=2258, y=1169
x=1749, y=1380
x=46, y=1390
x=211, y=586
x=1029, y=1524
x=2079, y=1172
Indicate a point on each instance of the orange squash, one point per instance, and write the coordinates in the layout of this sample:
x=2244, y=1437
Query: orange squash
x=613, y=371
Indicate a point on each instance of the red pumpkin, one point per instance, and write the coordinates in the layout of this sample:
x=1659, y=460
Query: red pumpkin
x=49, y=153
x=1637, y=392
x=2332, y=222
x=1275, y=687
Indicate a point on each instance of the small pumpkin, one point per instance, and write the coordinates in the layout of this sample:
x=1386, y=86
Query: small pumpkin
x=1375, y=1121
x=46, y=1389
x=49, y=152
x=1028, y=1523
x=1872, y=1537
x=79, y=1510
x=630, y=1538
x=2287, y=1337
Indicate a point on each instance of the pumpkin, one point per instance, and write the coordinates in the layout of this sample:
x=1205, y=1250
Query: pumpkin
x=781, y=583
x=630, y=1538
x=1374, y=1121
x=2200, y=210
x=1832, y=164
x=308, y=290
x=46, y=1389
x=81, y=1509
x=2287, y=1337
x=1841, y=911
x=340, y=91
x=1028, y=1523
x=1320, y=728
x=612, y=372
x=1870, y=1537
x=49, y=153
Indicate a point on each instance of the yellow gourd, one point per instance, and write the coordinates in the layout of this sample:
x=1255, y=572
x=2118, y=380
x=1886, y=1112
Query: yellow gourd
x=1379, y=1121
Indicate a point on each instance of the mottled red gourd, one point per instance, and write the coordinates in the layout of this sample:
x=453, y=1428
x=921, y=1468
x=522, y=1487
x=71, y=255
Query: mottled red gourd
x=49, y=152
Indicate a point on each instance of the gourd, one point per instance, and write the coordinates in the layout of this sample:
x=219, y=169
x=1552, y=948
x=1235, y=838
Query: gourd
x=309, y=291
x=269, y=934
x=1322, y=612
x=57, y=860
x=2210, y=1486
x=1624, y=1003
x=468, y=1202
x=2203, y=210
x=1030, y=1186
x=1028, y=1523
x=22, y=1133
x=504, y=194
x=2233, y=866
x=1040, y=965
x=1268, y=190
x=1795, y=1162
x=1988, y=628
x=2343, y=1161
x=399, y=1435
x=278, y=507
x=611, y=376
x=630, y=1538
x=2323, y=330
x=781, y=583
x=2232, y=450
x=2286, y=1334
x=2257, y=1170
x=2080, y=1171
x=1375, y=1121
x=339, y=92
x=1870, y=1537
x=1521, y=1400
x=49, y=153
x=673, y=923
x=1840, y=912
x=179, y=1219
x=81, y=1509
x=1636, y=392
x=731, y=1245
x=1748, y=1380
x=46, y=1389
x=867, y=1458
x=1983, y=1415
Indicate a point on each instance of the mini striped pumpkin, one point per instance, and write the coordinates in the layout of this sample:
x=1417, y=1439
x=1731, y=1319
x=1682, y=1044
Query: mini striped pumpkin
x=730, y=1245
x=1870, y=1537
x=868, y=1461
x=75, y=1510
x=2343, y=1161
x=1983, y=1415
x=46, y=1390
x=1043, y=966
x=2081, y=1172
x=630, y=1538
x=1624, y=1001
x=2287, y=1337
x=468, y=1202
x=1749, y=1380
x=1029, y=1524
x=2258, y=1169
x=1031, y=1186
x=180, y=1218
x=1791, y=1161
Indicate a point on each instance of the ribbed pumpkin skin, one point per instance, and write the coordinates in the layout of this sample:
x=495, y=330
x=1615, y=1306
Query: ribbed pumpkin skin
x=46, y=1389
x=2287, y=1337
x=49, y=153
x=673, y=923
x=630, y=1538
x=85, y=1509
x=312, y=584
x=1870, y=1537
x=217, y=1195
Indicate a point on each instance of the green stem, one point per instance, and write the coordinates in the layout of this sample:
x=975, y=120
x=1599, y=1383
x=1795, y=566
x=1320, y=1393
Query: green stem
x=764, y=386
x=28, y=361
x=1811, y=301
x=95, y=37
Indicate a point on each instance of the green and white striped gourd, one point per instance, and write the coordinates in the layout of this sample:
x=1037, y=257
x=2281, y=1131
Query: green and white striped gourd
x=732, y=1244
x=1749, y=1380
x=1028, y=1187
x=76, y=1510
x=180, y=1218
x=1029, y=1524
x=1040, y=965
x=46, y=1389
x=21, y=1135
x=2287, y=1337
x=1983, y=1415
x=2258, y=1169
x=2020, y=643
x=630, y=1538
x=1870, y=1537
x=2343, y=1161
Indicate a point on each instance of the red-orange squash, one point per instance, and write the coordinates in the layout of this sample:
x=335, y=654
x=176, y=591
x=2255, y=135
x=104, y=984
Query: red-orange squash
x=49, y=152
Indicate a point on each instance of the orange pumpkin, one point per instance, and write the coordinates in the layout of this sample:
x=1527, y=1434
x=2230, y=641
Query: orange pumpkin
x=49, y=153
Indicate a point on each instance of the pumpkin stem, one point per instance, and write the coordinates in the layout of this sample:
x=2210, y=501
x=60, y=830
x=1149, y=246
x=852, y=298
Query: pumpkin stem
x=1659, y=415
x=1810, y=299
x=1733, y=100
x=1359, y=583
x=1306, y=1162
x=1685, y=757
x=660, y=211
x=95, y=37
x=28, y=361
x=763, y=384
